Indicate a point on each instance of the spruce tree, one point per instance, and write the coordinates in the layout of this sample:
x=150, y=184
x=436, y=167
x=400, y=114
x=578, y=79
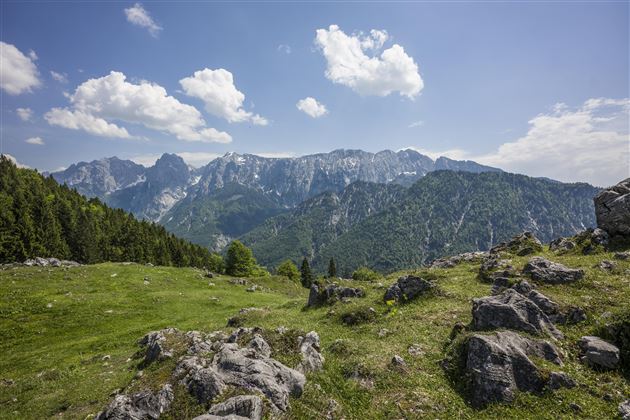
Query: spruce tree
x=306, y=276
x=332, y=269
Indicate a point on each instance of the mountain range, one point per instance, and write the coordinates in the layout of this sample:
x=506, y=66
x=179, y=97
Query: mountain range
x=235, y=193
x=384, y=210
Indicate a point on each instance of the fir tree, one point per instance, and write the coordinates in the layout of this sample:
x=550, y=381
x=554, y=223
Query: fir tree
x=306, y=276
x=332, y=270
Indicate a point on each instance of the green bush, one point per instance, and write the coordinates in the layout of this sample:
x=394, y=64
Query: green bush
x=365, y=274
x=240, y=261
x=289, y=270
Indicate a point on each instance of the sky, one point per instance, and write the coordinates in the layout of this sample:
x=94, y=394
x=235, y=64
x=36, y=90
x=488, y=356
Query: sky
x=530, y=87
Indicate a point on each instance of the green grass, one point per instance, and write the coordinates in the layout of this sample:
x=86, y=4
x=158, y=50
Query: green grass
x=55, y=355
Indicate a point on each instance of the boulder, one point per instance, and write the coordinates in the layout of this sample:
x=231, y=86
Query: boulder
x=499, y=365
x=320, y=295
x=612, y=209
x=260, y=346
x=606, y=265
x=407, y=288
x=155, y=344
x=142, y=405
x=449, y=262
x=312, y=359
x=541, y=269
x=624, y=410
x=493, y=267
x=511, y=310
x=559, y=380
x=600, y=353
x=561, y=245
x=524, y=244
x=600, y=237
x=622, y=255
x=243, y=406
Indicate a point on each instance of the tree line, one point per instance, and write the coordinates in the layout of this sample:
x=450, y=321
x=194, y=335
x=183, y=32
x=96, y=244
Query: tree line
x=40, y=218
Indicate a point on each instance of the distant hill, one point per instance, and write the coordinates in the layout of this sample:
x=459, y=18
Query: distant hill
x=443, y=213
x=39, y=217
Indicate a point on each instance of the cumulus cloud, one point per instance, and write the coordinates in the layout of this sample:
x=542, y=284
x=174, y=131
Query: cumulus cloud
x=25, y=114
x=195, y=159
x=588, y=143
x=349, y=65
x=59, y=77
x=35, y=140
x=97, y=102
x=18, y=72
x=311, y=107
x=139, y=16
x=221, y=98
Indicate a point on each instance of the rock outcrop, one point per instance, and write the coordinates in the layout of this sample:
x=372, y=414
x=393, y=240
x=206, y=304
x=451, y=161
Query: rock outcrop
x=407, y=288
x=141, y=405
x=248, y=407
x=50, y=262
x=312, y=359
x=599, y=353
x=321, y=295
x=494, y=267
x=155, y=345
x=624, y=410
x=612, y=209
x=541, y=269
x=450, y=262
x=511, y=310
x=524, y=244
x=499, y=365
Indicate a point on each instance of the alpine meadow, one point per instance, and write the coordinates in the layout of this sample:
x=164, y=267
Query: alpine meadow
x=314, y=210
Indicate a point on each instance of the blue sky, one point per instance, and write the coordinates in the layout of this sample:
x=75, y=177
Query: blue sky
x=535, y=88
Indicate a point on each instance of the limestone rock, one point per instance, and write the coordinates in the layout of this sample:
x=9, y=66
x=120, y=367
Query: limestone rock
x=312, y=359
x=597, y=352
x=320, y=295
x=559, y=380
x=612, y=209
x=155, y=344
x=511, y=310
x=242, y=406
x=143, y=405
x=541, y=269
x=407, y=288
x=493, y=267
x=561, y=245
x=524, y=244
x=499, y=366
x=624, y=410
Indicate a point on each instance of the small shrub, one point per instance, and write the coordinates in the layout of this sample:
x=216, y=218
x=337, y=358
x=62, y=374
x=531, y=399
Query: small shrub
x=358, y=316
x=365, y=274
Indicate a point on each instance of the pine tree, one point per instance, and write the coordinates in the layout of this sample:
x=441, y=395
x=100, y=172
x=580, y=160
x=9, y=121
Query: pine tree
x=306, y=276
x=332, y=269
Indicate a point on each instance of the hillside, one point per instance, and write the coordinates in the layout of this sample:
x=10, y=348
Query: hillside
x=69, y=340
x=443, y=213
x=40, y=218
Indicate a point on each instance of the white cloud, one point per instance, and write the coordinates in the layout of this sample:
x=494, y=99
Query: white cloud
x=138, y=15
x=35, y=140
x=221, y=98
x=25, y=114
x=80, y=120
x=18, y=72
x=418, y=123
x=14, y=160
x=311, y=107
x=590, y=143
x=59, y=77
x=195, y=159
x=284, y=48
x=349, y=65
x=275, y=155
x=96, y=102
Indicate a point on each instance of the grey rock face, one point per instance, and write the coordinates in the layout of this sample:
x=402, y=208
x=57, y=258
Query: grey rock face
x=600, y=237
x=331, y=293
x=450, y=262
x=143, y=405
x=561, y=245
x=559, y=380
x=597, y=352
x=612, y=209
x=511, y=310
x=50, y=262
x=541, y=269
x=624, y=410
x=607, y=265
x=499, y=365
x=524, y=244
x=155, y=343
x=312, y=359
x=493, y=267
x=242, y=406
x=407, y=288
